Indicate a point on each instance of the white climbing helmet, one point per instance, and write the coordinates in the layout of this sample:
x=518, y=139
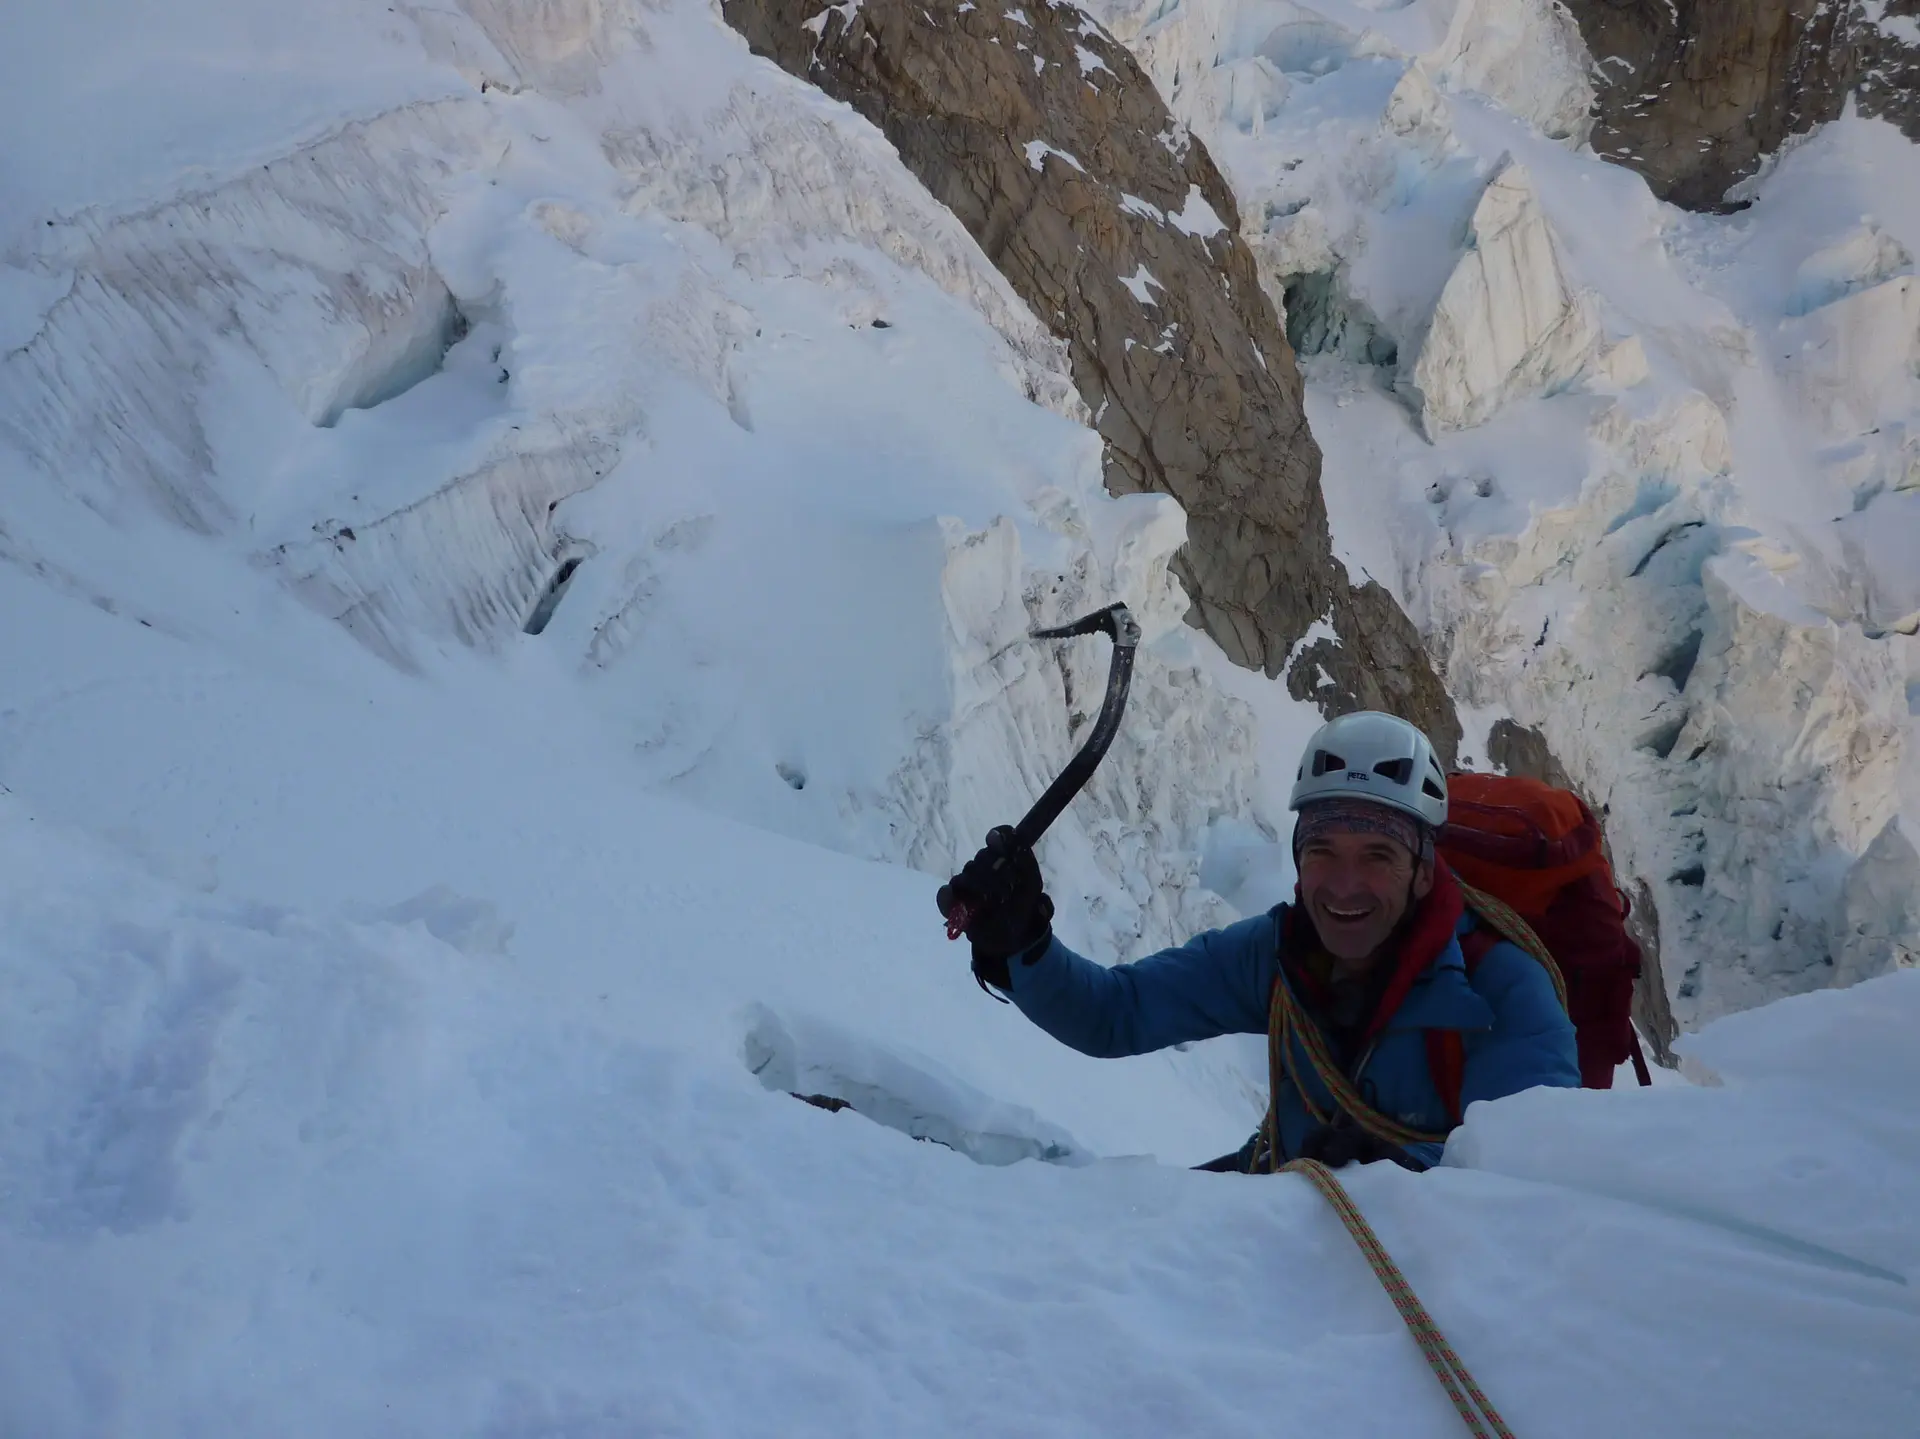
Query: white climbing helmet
x=1377, y=757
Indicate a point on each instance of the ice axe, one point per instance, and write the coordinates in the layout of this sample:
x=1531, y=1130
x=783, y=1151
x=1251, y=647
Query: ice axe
x=1117, y=621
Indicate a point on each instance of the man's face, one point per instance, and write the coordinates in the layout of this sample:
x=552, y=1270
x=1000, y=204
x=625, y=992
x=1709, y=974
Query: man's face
x=1357, y=888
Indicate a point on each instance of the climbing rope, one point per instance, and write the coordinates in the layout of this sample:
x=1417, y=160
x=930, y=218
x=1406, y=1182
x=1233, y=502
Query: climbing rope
x=1289, y=1031
x=1507, y=921
x=1482, y=1419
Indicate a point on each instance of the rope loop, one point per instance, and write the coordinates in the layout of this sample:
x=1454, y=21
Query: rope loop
x=1291, y=1032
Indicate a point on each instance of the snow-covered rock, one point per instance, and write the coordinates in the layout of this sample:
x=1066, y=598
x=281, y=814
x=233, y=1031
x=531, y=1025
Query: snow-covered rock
x=1699, y=98
x=1748, y=747
x=1527, y=57
x=1857, y=261
x=1854, y=360
x=1357, y=201
x=1508, y=323
x=1417, y=111
x=1619, y=366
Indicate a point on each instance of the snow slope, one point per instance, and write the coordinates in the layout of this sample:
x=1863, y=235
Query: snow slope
x=396, y=1006
x=1646, y=479
x=426, y=1106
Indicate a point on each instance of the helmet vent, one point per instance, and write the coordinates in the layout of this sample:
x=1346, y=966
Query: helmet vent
x=1325, y=762
x=1397, y=770
x=1432, y=790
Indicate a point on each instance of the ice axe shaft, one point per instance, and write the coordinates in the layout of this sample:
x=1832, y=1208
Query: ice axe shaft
x=1116, y=621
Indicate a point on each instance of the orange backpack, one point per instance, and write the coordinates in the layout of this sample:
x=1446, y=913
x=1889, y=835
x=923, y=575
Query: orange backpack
x=1538, y=849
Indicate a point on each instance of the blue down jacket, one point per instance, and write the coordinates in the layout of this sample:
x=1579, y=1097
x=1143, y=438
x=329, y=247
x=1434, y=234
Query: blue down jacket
x=1512, y=1028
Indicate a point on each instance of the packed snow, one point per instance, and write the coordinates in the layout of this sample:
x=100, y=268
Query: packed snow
x=518, y=527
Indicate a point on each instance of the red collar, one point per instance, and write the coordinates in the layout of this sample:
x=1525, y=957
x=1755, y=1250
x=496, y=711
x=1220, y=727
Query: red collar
x=1429, y=932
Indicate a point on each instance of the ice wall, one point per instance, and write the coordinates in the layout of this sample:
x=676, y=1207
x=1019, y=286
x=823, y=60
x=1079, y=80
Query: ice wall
x=623, y=303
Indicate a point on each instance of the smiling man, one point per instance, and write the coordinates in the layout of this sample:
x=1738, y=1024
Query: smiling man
x=1368, y=958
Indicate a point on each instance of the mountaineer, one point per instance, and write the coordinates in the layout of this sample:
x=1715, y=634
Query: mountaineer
x=1381, y=1026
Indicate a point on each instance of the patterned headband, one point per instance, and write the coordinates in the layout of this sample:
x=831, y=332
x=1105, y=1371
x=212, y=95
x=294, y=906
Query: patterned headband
x=1357, y=816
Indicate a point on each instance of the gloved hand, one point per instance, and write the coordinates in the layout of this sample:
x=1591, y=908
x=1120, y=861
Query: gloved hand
x=1008, y=909
x=1343, y=1142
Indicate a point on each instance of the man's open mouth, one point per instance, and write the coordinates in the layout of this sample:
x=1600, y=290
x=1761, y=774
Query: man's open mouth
x=1344, y=915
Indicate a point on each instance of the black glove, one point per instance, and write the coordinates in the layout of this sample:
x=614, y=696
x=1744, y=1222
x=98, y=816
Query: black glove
x=1008, y=911
x=1343, y=1142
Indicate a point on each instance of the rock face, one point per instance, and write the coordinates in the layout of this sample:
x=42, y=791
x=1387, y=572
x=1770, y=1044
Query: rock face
x=1695, y=92
x=1043, y=135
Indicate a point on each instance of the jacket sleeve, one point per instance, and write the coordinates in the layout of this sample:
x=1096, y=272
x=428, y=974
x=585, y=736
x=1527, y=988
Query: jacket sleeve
x=1531, y=1042
x=1216, y=983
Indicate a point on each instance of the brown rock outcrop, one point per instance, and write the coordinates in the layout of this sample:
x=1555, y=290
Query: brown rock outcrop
x=1694, y=93
x=1047, y=140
